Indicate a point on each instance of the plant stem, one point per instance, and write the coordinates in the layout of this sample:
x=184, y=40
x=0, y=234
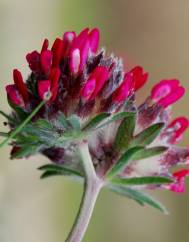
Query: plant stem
x=92, y=188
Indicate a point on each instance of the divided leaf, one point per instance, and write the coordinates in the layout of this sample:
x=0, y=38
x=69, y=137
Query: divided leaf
x=3, y=134
x=148, y=135
x=8, y=117
x=121, y=164
x=62, y=119
x=74, y=122
x=24, y=151
x=140, y=197
x=116, y=117
x=43, y=124
x=146, y=180
x=53, y=169
x=145, y=153
x=125, y=133
x=20, y=127
x=95, y=121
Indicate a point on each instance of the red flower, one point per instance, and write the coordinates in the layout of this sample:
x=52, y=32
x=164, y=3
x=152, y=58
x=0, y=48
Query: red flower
x=81, y=45
x=44, y=89
x=124, y=90
x=51, y=85
x=33, y=60
x=46, y=61
x=14, y=95
x=18, y=80
x=40, y=62
x=18, y=93
x=57, y=50
x=139, y=77
x=95, y=83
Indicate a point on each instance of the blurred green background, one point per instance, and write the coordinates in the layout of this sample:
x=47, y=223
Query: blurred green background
x=151, y=33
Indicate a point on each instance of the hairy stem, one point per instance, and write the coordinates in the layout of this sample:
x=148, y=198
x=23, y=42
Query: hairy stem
x=92, y=188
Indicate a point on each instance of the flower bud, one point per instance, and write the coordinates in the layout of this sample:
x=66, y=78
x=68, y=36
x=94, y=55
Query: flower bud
x=46, y=61
x=54, y=79
x=45, y=45
x=14, y=95
x=33, y=60
x=124, y=90
x=21, y=86
x=57, y=50
x=139, y=77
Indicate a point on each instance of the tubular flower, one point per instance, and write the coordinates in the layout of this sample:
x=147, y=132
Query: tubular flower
x=88, y=98
x=176, y=129
x=167, y=92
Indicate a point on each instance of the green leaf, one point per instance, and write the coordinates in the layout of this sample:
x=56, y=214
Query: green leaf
x=148, y=135
x=116, y=117
x=29, y=139
x=25, y=151
x=8, y=117
x=70, y=136
x=62, y=119
x=145, y=153
x=146, y=180
x=53, y=169
x=125, y=133
x=23, y=124
x=121, y=164
x=19, y=111
x=43, y=124
x=3, y=134
x=95, y=121
x=140, y=197
x=74, y=122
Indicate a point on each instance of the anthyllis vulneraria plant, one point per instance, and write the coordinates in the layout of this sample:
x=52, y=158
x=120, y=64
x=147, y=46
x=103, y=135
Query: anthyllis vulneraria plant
x=77, y=107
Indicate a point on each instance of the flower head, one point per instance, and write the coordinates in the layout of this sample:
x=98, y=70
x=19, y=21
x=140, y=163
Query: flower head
x=88, y=96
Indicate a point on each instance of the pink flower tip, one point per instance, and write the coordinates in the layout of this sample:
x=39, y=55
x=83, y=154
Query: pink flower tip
x=179, y=184
x=167, y=92
x=75, y=60
x=68, y=37
x=178, y=126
